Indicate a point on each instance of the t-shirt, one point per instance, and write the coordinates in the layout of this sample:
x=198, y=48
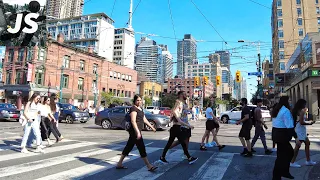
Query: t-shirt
x=45, y=110
x=246, y=111
x=257, y=116
x=214, y=107
x=140, y=116
x=208, y=113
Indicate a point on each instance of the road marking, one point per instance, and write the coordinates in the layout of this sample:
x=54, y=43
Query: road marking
x=26, y=167
x=91, y=169
x=166, y=137
x=149, y=144
x=214, y=168
x=11, y=138
x=142, y=174
x=48, y=150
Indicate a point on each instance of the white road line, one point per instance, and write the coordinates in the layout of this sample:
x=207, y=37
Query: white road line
x=26, y=167
x=149, y=143
x=166, y=137
x=142, y=174
x=47, y=150
x=91, y=169
x=11, y=138
x=214, y=167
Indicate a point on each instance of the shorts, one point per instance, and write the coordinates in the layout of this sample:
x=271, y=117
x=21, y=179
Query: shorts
x=245, y=132
x=211, y=124
x=186, y=132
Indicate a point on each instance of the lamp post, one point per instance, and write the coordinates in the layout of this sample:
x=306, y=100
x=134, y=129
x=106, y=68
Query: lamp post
x=61, y=79
x=95, y=91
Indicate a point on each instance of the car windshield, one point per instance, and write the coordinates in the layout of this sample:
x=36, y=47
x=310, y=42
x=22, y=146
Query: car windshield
x=6, y=106
x=264, y=108
x=150, y=107
x=70, y=107
x=146, y=112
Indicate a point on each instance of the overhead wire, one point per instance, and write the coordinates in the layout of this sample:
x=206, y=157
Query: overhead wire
x=172, y=22
x=135, y=9
x=114, y=4
x=260, y=4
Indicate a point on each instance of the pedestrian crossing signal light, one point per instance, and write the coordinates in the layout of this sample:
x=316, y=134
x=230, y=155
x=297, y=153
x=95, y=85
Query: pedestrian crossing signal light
x=197, y=81
x=238, y=76
x=205, y=80
x=218, y=80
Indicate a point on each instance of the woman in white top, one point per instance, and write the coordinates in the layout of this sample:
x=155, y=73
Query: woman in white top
x=299, y=113
x=31, y=114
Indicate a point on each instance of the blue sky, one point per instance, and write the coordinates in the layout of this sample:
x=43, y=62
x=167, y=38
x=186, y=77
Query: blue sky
x=233, y=19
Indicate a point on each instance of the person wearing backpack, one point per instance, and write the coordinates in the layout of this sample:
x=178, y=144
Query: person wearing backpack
x=259, y=131
x=138, y=119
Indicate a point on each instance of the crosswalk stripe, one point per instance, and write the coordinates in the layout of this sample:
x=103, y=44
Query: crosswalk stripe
x=91, y=169
x=47, y=150
x=214, y=168
x=26, y=167
x=142, y=174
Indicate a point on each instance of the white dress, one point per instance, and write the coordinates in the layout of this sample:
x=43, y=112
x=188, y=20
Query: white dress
x=301, y=130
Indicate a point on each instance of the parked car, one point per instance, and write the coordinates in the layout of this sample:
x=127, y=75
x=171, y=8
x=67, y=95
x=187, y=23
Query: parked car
x=165, y=111
x=9, y=112
x=71, y=113
x=235, y=113
x=115, y=118
x=153, y=109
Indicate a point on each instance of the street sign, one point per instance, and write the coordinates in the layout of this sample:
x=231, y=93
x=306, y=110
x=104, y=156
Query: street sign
x=254, y=73
x=315, y=73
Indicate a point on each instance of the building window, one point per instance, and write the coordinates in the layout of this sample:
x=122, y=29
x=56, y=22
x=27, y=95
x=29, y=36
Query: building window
x=298, y=2
x=40, y=76
x=280, y=23
x=111, y=74
x=10, y=55
x=42, y=54
x=19, y=76
x=82, y=65
x=8, y=77
x=130, y=78
x=318, y=20
x=279, y=12
x=80, y=83
x=280, y=33
x=94, y=84
x=21, y=54
x=282, y=66
x=65, y=81
x=317, y=1
x=279, y=3
x=299, y=12
x=300, y=32
x=300, y=21
x=119, y=75
x=281, y=54
x=318, y=29
x=95, y=69
x=318, y=10
x=281, y=44
x=66, y=62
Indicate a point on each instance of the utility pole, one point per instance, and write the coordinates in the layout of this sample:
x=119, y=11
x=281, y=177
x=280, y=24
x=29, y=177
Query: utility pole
x=152, y=93
x=61, y=79
x=96, y=91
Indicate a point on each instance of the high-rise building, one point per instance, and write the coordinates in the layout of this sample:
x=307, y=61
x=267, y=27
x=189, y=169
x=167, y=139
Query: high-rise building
x=187, y=52
x=93, y=30
x=225, y=75
x=149, y=61
x=240, y=89
x=224, y=58
x=167, y=62
x=62, y=9
x=291, y=21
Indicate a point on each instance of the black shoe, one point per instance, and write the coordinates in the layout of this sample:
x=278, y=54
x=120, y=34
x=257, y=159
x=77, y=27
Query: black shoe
x=268, y=152
x=203, y=148
x=253, y=151
x=245, y=151
x=289, y=176
x=249, y=154
x=192, y=160
x=221, y=147
x=163, y=160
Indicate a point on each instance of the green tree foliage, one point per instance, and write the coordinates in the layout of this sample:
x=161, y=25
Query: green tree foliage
x=168, y=100
x=110, y=99
x=147, y=101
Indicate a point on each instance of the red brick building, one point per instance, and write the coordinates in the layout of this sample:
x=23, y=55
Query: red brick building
x=79, y=71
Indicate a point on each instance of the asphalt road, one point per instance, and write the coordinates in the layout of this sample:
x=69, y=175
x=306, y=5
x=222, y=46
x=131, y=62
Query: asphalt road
x=90, y=152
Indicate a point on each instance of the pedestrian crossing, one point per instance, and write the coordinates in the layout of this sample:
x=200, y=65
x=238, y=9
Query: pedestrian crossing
x=75, y=160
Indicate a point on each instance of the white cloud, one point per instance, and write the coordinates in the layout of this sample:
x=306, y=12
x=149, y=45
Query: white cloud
x=22, y=2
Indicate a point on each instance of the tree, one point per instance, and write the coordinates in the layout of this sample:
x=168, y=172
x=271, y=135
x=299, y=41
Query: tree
x=147, y=101
x=168, y=100
x=108, y=98
x=117, y=101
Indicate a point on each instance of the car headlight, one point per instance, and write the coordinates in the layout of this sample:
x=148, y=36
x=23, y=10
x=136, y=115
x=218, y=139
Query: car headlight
x=4, y=112
x=76, y=114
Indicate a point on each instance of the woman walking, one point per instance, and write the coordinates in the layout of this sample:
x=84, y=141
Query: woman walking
x=31, y=114
x=299, y=113
x=175, y=130
x=282, y=132
x=56, y=113
x=138, y=120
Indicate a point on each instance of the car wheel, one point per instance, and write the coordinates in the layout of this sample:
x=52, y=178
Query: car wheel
x=152, y=124
x=225, y=119
x=83, y=121
x=106, y=124
x=69, y=119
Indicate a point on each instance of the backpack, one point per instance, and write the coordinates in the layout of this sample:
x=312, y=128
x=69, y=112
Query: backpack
x=252, y=116
x=127, y=122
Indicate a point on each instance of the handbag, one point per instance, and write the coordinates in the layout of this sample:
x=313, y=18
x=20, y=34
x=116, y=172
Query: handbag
x=23, y=120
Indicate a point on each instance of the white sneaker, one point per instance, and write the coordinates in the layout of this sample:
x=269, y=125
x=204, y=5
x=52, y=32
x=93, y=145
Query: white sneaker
x=310, y=163
x=50, y=143
x=42, y=146
x=24, y=150
x=295, y=165
x=274, y=149
x=208, y=145
x=39, y=150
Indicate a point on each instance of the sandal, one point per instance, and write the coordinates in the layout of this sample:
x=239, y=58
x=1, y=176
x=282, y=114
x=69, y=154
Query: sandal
x=121, y=167
x=153, y=168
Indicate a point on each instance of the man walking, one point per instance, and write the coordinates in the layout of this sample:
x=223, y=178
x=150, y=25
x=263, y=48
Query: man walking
x=259, y=131
x=244, y=134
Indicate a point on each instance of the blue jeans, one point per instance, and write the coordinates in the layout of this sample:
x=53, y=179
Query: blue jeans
x=30, y=138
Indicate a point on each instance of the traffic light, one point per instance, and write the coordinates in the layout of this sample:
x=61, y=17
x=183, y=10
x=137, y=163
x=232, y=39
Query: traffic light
x=205, y=80
x=218, y=80
x=196, y=81
x=238, y=76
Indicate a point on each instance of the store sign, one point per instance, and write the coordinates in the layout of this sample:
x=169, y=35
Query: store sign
x=315, y=73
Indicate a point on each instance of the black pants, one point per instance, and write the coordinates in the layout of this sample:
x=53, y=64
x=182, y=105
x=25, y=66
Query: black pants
x=175, y=132
x=55, y=128
x=282, y=163
x=47, y=126
x=134, y=141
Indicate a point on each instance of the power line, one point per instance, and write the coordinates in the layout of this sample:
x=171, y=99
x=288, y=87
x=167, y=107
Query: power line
x=174, y=31
x=260, y=4
x=133, y=12
x=114, y=3
x=208, y=21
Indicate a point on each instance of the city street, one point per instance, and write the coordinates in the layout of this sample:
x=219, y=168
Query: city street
x=90, y=152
